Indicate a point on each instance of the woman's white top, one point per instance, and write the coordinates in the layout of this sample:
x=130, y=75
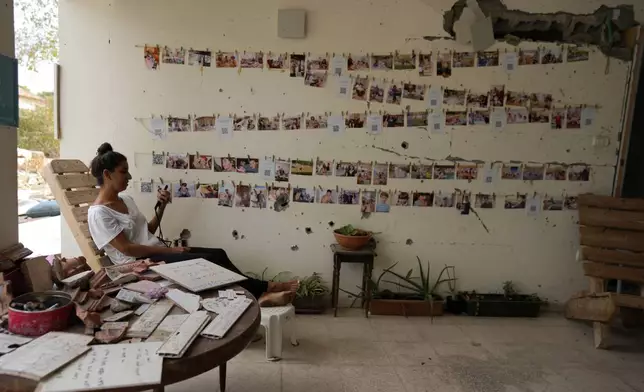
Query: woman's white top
x=105, y=224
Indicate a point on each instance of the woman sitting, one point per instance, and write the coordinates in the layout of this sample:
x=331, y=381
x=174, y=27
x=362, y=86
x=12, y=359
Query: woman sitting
x=120, y=229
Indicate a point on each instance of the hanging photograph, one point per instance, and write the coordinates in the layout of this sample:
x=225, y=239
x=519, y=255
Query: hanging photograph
x=358, y=62
x=497, y=95
x=579, y=173
x=517, y=116
x=414, y=91
x=178, y=124
x=277, y=61
x=532, y=172
x=226, y=60
x=485, y=200
x=200, y=162
x=258, y=196
x=282, y=171
x=514, y=98
x=515, y=202
x=576, y=53
x=552, y=203
x=364, y=173
x=454, y=97
x=247, y=165
x=177, y=161
x=349, y=197
x=377, y=91
x=302, y=167
x=399, y=170
x=444, y=172
x=529, y=57
x=558, y=118
x=555, y=172
x=174, y=55
x=478, y=100
x=151, y=55
x=382, y=62
x=405, y=61
x=552, y=55
x=487, y=59
x=368, y=202
x=346, y=169
x=393, y=120
x=444, y=200
x=423, y=199
x=315, y=79
x=326, y=196
x=465, y=171
x=394, y=94
x=251, y=60
x=303, y=195
x=204, y=124
x=244, y=123
x=201, y=58
x=421, y=172
x=463, y=59
x=540, y=101
x=276, y=193
x=444, y=65
x=382, y=201
x=268, y=123
x=539, y=116
x=511, y=172
x=462, y=200
x=317, y=62
x=316, y=122
x=570, y=203
x=456, y=118
x=323, y=168
x=403, y=199
x=208, y=191
x=417, y=119
x=355, y=120
x=292, y=123
x=297, y=65
x=425, y=65
x=573, y=117
x=360, y=88
x=158, y=158
x=380, y=173
x=479, y=117
x=242, y=196
x=226, y=164
x=182, y=189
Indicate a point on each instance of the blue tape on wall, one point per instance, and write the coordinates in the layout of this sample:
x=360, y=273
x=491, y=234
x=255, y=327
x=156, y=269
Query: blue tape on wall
x=8, y=91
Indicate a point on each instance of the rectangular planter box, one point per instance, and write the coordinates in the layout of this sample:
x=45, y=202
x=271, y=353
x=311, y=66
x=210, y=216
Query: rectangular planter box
x=310, y=305
x=497, y=305
x=405, y=307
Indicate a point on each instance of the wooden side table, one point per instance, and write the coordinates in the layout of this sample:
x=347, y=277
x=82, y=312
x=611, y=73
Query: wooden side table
x=365, y=256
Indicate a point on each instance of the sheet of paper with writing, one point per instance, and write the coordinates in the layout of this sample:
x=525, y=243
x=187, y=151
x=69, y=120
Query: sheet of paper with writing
x=167, y=327
x=178, y=343
x=148, y=321
x=8, y=343
x=186, y=301
x=44, y=355
x=109, y=366
x=197, y=274
x=225, y=319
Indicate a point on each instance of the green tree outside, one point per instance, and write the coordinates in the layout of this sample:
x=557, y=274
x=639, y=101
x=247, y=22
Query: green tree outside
x=36, y=130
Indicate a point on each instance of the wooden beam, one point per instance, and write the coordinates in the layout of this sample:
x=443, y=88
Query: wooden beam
x=629, y=301
x=592, y=307
x=84, y=228
x=606, y=271
x=80, y=213
x=601, y=331
x=609, y=202
x=611, y=238
x=76, y=180
x=81, y=196
x=59, y=166
x=615, y=219
x=609, y=256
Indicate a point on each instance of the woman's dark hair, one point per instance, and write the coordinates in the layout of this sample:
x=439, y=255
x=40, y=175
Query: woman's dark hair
x=106, y=159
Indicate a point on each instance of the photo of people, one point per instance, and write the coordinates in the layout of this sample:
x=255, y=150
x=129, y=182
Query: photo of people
x=394, y=94
x=444, y=65
x=151, y=56
x=292, y=123
x=478, y=100
x=514, y=98
x=247, y=165
x=467, y=171
x=558, y=118
x=158, y=158
x=454, y=97
x=275, y=192
x=573, y=117
x=316, y=122
x=393, y=120
x=317, y=62
x=382, y=62
x=242, y=196
x=346, y=169
x=326, y=196
x=277, y=61
x=301, y=167
x=297, y=65
x=552, y=55
x=303, y=195
x=398, y=170
x=177, y=161
x=358, y=62
x=380, y=173
x=368, y=202
x=517, y=116
x=364, y=173
x=402, y=199
x=209, y=191
x=485, y=200
x=579, y=173
x=360, y=88
x=323, y=168
x=349, y=197
x=177, y=124
x=227, y=164
x=479, y=117
x=251, y=60
x=244, y=123
x=382, y=201
x=423, y=199
x=444, y=172
x=414, y=91
x=551, y=203
x=444, y=200
x=200, y=58
x=576, y=53
x=421, y=172
x=405, y=61
x=226, y=60
x=200, y=162
x=515, y=202
x=497, y=95
x=183, y=189
x=268, y=123
x=425, y=65
x=511, y=172
x=258, y=196
x=487, y=59
x=282, y=170
x=540, y=101
x=204, y=124
x=355, y=120
x=463, y=59
x=555, y=172
x=315, y=79
x=539, y=116
x=529, y=57
x=570, y=203
x=456, y=118
x=146, y=187
x=176, y=56
x=532, y=172
x=376, y=91
x=417, y=119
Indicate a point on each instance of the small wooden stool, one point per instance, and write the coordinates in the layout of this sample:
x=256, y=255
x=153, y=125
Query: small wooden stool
x=365, y=256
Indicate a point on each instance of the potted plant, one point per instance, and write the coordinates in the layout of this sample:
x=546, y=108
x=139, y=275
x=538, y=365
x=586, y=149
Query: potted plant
x=508, y=304
x=311, y=296
x=352, y=238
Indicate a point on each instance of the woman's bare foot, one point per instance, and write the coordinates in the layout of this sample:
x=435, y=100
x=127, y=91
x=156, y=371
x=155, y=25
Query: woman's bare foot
x=276, y=299
x=275, y=287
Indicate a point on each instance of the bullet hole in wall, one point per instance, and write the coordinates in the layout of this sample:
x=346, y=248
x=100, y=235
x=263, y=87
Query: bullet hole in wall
x=308, y=230
x=235, y=234
x=295, y=248
x=409, y=241
x=404, y=145
x=331, y=223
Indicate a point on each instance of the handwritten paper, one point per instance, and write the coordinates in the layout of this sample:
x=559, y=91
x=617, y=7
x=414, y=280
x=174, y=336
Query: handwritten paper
x=435, y=97
x=8, y=343
x=44, y=355
x=374, y=124
x=118, y=316
x=186, y=301
x=167, y=327
x=148, y=321
x=267, y=169
x=158, y=128
x=74, y=279
x=178, y=343
x=197, y=274
x=588, y=116
x=142, y=286
x=344, y=87
x=533, y=205
x=437, y=122
x=510, y=61
x=132, y=297
x=338, y=63
x=224, y=126
x=336, y=125
x=225, y=319
x=498, y=118
x=109, y=366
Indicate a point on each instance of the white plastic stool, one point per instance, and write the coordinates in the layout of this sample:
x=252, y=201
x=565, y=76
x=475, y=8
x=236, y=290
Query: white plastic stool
x=275, y=320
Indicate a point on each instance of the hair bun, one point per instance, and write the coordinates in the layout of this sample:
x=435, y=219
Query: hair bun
x=104, y=149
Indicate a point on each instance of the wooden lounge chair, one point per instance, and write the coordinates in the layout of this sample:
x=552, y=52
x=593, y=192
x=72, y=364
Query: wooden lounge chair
x=75, y=190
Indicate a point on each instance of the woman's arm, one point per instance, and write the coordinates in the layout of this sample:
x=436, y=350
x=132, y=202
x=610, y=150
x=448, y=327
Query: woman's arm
x=128, y=248
x=163, y=198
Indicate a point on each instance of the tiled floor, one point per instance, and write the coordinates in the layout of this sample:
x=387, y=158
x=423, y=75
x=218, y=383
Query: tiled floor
x=350, y=353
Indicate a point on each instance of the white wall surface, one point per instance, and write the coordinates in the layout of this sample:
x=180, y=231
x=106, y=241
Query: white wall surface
x=105, y=86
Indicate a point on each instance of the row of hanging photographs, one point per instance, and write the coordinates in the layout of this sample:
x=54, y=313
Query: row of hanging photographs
x=369, y=173
x=427, y=64
x=230, y=194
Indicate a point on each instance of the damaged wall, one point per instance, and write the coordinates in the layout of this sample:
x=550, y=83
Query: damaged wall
x=104, y=95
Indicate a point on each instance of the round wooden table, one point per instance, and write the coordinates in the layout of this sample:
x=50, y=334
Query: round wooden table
x=203, y=355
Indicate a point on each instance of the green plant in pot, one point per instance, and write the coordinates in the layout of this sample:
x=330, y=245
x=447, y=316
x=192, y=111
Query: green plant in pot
x=352, y=238
x=311, y=296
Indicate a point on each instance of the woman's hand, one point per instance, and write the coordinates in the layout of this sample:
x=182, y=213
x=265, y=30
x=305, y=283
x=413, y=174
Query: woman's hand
x=163, y=197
